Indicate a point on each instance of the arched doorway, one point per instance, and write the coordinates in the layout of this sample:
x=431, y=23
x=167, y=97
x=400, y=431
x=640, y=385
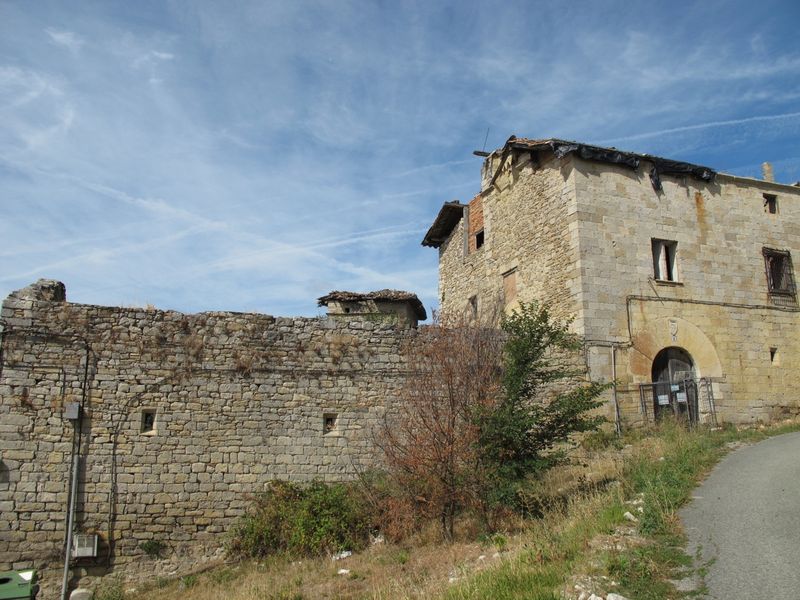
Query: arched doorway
x=674, y=384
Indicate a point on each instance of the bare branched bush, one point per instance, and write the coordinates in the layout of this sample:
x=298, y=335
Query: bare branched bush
x=430, y=443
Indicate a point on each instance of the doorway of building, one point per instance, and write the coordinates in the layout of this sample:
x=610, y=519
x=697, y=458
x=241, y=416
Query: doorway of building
x=674, y=384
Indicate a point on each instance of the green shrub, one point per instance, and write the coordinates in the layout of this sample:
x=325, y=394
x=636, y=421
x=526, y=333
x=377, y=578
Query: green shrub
x=153, y=548
x=601, y=440
x=523, y=434
x=302, y=520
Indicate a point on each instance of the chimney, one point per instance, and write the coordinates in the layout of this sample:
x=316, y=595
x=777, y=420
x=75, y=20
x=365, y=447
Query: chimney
x=766, y=172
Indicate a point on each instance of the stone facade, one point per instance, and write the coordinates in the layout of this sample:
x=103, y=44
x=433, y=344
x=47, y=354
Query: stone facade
x=526, y=227
x=578, y=227
x=183, y=417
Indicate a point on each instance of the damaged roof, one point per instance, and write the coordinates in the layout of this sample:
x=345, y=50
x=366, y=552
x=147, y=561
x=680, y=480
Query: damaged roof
x=451, y=212
x=443, y=224
x=660, y=166
x=378, y=296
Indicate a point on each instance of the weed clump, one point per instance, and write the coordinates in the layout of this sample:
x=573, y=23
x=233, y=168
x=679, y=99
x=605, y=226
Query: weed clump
x=289, y=518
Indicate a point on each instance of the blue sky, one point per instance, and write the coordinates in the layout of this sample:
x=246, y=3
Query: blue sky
x=252, y=156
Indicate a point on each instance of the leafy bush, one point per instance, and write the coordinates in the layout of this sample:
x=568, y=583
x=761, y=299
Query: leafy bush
x=153, y=548
x=520, y=434
x=302, y=520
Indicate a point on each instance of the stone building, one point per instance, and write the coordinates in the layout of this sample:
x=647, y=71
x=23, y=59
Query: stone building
x=672, y=272
x=404, y=308
x=175, y=419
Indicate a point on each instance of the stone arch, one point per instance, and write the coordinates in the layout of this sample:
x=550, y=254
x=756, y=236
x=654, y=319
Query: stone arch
x=658, y=334
x=672, y=362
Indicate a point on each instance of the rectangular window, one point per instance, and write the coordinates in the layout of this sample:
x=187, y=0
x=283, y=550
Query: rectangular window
x=329, y=423
x=473, y=307
x=780, y=277
x=148, y=422
x=665, y=254
x=510, y=285
x=771, y=204
x=479, y=239
x=773, y=356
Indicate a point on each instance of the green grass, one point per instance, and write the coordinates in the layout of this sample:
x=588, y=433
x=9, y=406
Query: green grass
x=558, y=546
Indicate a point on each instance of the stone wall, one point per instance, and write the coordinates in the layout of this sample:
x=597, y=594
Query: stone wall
x=239, y=400
x=528, y=219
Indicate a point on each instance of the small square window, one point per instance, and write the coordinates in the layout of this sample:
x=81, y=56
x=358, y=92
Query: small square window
x=329, y=422
x=148, y=422
x=665, y=254
x=780, y=276
x=479, y=239
x=771, y=204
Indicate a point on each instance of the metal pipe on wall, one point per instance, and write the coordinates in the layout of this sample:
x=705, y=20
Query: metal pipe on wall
x=617, y=424
x=76, y=455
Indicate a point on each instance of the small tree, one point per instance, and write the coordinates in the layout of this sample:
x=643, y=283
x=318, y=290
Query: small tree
x=545, y=399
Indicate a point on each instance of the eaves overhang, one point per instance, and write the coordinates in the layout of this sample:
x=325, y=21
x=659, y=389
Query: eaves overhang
x=444, y=223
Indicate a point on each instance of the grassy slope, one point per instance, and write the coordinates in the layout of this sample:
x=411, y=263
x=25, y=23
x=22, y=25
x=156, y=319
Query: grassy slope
x=660, y=467
x=663, y=470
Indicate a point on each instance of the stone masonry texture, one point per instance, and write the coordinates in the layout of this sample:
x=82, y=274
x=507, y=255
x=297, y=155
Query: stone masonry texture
x=578, y=234
x=239, y=400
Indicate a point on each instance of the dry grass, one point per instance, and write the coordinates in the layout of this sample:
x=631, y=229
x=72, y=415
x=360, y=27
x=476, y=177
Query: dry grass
x=420, y=568
x=582, y=504
x=383, y=571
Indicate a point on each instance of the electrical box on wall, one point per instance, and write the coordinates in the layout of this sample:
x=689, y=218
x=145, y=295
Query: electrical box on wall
x=84, y=546
x=72, y=411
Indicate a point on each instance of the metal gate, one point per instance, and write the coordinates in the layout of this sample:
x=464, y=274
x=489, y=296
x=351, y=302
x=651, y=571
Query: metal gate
x=685, y=399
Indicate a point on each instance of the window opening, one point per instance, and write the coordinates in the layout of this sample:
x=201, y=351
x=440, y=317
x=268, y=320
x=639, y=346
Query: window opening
x=479, y=239
x=771, y=204
x=780, y=278
x=510, y=285
x=329, y=422
x=473, y=306
x=773, y=356
x=664, y=260
x=148, y=423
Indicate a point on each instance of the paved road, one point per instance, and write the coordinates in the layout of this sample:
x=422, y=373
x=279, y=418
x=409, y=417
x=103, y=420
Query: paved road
x=746, y=518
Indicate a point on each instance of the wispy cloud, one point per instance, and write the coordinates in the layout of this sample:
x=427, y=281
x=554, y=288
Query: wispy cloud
x=254, y=157
x=150, y=58
x=67, y=39
x=700, y=126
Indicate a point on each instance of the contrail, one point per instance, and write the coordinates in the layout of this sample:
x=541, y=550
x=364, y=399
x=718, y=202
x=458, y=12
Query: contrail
x=640, y=136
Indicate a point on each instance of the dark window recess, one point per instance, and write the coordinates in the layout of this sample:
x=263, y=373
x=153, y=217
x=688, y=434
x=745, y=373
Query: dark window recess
x=148, y=421
x=780, y=277
x=773, y=354
x=664, y=259
x=473, y=307
x=329, y=423
x=771, y=204
x=479, y=239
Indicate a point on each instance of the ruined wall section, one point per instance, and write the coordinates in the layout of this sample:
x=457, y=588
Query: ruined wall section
x=529, y=226
x=239, y=400
x=720, y=285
